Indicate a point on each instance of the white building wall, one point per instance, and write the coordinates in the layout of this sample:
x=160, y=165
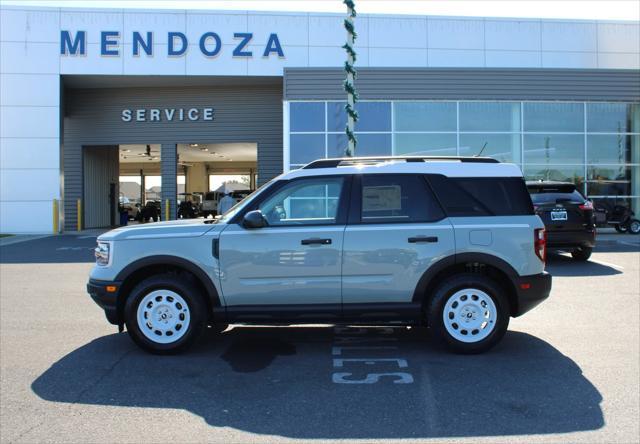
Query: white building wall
x=30, y=66
x=29, y=120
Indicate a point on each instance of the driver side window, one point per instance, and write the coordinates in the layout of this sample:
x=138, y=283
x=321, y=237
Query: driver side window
x=311, y=201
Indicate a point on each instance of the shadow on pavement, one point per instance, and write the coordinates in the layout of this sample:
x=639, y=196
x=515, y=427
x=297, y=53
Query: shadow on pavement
x=561, y=265
x=278, y=381
x=50, y=250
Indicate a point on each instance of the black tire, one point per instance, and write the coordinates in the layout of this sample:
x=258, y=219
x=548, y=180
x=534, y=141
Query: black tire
x=633, y=226
x=182, y=285
x=582, y=253
x=448, y=288
x=620, y=228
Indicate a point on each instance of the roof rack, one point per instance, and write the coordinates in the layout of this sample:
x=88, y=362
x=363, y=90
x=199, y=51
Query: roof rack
x=348, y=161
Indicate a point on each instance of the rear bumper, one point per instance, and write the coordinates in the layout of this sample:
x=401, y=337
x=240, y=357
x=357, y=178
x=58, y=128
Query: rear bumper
x=105, y=299
x=566, y=239
x=531, y=290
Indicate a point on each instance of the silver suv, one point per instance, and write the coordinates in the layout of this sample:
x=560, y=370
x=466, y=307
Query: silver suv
x=450, y=243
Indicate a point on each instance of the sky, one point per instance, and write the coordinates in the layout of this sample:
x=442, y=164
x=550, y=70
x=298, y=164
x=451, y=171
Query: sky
x=555, y=9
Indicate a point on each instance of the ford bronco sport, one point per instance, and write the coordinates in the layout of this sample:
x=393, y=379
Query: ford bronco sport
x=450, y=243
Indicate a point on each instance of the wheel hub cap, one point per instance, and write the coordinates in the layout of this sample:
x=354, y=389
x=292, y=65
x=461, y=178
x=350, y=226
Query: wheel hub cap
x=163, y=316
x=469, y=315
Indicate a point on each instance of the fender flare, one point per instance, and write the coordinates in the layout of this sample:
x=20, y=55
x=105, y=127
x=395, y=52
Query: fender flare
x=198, y=272
x=442, y=264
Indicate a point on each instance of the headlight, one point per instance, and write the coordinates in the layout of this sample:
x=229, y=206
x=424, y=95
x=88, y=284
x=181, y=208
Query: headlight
x=103, y=253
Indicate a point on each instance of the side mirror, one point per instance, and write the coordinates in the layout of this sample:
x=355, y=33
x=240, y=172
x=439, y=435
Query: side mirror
x=254, y=219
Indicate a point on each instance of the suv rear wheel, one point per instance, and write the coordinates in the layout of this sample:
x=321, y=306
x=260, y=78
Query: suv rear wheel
x=165, y=314
x=469, y=313
x=582, y=253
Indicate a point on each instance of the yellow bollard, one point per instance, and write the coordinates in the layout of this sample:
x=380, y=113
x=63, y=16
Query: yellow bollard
x=166, y=209
x=79, y=209
x=56, y=216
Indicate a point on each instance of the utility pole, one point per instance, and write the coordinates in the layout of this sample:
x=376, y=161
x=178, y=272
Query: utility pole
x=349, y=85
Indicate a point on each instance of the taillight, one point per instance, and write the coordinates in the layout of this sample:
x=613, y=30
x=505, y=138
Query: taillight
x=588, y=205
x=540, y=243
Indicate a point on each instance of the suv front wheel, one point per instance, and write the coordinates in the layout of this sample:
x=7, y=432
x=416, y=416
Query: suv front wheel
x=469, y=313
x=165, y=314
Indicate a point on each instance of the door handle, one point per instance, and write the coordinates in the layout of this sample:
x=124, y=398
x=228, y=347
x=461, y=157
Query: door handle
x=417, y=239
x=315, y=241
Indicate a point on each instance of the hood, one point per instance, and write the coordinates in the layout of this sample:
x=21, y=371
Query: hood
x=157, y=230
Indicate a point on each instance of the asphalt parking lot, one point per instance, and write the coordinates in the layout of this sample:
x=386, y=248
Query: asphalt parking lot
x=566, y=372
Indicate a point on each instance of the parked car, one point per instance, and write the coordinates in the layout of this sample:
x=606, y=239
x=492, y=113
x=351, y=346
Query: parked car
x=130, y=207
x=610, y=213
x=452, y=244
x=211, y=199
x=567, y=215
x=188, y=207
x=150, y=212
x=210, y=203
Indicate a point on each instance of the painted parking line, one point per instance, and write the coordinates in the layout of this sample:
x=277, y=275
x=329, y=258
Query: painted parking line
x=607, y=264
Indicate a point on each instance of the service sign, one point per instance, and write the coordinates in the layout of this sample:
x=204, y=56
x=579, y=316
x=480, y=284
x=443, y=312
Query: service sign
x=166, y=114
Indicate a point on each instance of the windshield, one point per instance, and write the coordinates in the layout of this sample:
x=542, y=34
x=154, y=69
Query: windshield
x=240, y=205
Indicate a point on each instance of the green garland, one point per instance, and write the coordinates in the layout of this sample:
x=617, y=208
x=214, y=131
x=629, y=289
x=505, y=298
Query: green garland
x=348, y=84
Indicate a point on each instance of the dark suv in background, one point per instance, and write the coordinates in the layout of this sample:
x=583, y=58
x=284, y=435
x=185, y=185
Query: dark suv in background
x=567, y=215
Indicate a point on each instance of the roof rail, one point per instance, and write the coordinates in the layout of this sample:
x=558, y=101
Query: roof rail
x=346, y=161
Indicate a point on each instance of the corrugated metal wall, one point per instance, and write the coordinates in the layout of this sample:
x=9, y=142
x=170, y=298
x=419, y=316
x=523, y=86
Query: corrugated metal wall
x=100, y=170
x=243, y=113
x=466, y=83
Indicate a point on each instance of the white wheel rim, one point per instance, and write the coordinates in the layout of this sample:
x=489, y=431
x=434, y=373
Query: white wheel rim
x=634, y=227
x=163, y=316
x=469, y=315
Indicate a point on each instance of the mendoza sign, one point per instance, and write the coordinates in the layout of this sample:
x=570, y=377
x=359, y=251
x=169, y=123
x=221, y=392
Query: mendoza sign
x=210, y=44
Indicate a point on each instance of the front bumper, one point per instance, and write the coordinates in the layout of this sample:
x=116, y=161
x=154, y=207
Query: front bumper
x=531, y=290
x=107, y=300
x=568, y=239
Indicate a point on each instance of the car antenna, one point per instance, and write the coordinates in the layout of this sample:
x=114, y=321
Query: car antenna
x=483, y=147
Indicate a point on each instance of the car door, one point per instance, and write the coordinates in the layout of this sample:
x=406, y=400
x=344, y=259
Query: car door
x=396, y=231
x=295, y=259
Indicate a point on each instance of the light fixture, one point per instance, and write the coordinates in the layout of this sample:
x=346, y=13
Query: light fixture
x=125, y=150
x=204, y=149
x=193, y=145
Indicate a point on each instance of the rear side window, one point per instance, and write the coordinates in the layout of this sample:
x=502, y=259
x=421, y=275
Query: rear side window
x=397, y=198
x=482, y=196
x=544, y=194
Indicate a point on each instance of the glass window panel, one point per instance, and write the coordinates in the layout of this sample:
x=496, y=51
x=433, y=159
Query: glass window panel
x=336, y=116
x=337, y=144
x=490, y=116
x=304, y=148
x=613, y=180
x=425, y=144
x=503, y=147
x=373, y=116
x=425, y=116
x=306, y=116
x=307, y=201
x=553, y=117
x=554, y=149
x=611, y=148
x=613, y=117
x=565, y=173
x=368, y=145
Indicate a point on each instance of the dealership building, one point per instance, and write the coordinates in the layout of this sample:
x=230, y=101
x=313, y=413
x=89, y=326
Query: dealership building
x=104, y=106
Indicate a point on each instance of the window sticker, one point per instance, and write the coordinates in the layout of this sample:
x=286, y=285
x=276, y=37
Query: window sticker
x=382, y=198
